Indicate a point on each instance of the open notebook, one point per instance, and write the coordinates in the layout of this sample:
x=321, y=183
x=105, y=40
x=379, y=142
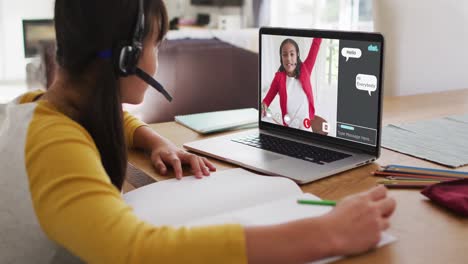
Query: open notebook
x=228, y=196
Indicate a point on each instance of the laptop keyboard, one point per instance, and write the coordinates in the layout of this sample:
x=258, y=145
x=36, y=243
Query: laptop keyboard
x=292, y=148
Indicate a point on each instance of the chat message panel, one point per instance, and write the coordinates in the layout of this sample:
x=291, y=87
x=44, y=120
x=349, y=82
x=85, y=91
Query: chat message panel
x=358, y=90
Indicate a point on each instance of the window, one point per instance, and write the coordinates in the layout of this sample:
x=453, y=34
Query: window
x=324, y=14
x=2, y=57
x=332, y=54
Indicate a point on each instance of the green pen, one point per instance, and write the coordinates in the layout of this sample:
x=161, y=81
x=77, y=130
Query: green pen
x=316, y=202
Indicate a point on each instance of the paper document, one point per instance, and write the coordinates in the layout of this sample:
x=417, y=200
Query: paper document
x=442, y=140
x=228, y=196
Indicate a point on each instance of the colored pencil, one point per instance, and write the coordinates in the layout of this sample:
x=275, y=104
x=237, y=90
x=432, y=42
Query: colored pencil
x=414, y=179
x=406, y=181
x=405, y=186
x=425, y=171
x=422, y=176
x=316, y=202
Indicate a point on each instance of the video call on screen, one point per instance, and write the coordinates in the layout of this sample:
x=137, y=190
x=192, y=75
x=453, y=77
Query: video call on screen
x=344, y=84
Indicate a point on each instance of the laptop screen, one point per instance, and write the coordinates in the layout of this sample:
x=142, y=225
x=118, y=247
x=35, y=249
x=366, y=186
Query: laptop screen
x=328, y=86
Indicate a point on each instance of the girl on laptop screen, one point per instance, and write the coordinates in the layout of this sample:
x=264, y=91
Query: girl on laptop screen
x=65, y=152
x=292, y=83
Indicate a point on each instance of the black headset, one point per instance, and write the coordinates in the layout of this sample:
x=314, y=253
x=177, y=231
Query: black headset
x=130, y=54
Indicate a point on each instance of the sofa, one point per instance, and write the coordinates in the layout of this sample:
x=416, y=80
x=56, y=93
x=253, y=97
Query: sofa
x=201, y=74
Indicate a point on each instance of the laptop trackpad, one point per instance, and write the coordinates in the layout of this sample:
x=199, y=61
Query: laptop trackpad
x=259, y=157
x=268, y=157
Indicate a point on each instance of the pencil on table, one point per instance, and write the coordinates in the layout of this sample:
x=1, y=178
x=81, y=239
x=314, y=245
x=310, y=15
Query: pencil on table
x=420, y=176
x=407, y=181
x=404, y=186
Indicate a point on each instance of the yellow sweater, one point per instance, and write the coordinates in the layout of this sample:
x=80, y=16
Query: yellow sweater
x=77, y=206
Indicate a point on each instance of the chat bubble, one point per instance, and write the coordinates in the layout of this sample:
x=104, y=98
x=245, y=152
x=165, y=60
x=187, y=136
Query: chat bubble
x=366, y=82
x=351, y=53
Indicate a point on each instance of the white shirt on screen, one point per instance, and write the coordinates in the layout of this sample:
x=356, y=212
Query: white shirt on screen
x=297, y=105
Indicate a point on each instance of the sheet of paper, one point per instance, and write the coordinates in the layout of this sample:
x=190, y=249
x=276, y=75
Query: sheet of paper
x=229, y=196
x=459, y=118
x=277, y=212
x=442, y=140
x=272, y=212
x=174, y=202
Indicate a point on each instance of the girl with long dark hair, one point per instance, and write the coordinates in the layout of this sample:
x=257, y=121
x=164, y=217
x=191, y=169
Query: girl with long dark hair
x=63, y=159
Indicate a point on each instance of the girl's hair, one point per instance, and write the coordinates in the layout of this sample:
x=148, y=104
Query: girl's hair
x=85, y=28
x=297, y=71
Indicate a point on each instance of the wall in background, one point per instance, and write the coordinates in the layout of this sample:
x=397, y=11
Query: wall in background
x=2, y=53
x=11, y=15
x=425, y=39
x=426, y=42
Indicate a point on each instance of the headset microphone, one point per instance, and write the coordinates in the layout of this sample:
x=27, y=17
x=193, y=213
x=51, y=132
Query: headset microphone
x=155, y=84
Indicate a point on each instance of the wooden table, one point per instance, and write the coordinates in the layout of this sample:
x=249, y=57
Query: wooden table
x=426, y=233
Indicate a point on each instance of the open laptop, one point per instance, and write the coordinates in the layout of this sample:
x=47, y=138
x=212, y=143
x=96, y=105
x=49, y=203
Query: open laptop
x=320, y=101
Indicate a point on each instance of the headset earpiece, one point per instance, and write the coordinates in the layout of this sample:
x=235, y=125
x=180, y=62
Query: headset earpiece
x=128, y=59
x=129, y=55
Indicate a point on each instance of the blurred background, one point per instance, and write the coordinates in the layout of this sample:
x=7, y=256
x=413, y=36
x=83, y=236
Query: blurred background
x=424, y=47
x=26, y=28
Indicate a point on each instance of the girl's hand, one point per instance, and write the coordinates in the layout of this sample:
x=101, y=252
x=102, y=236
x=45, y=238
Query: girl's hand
x=167, y=154
x=356, y=223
